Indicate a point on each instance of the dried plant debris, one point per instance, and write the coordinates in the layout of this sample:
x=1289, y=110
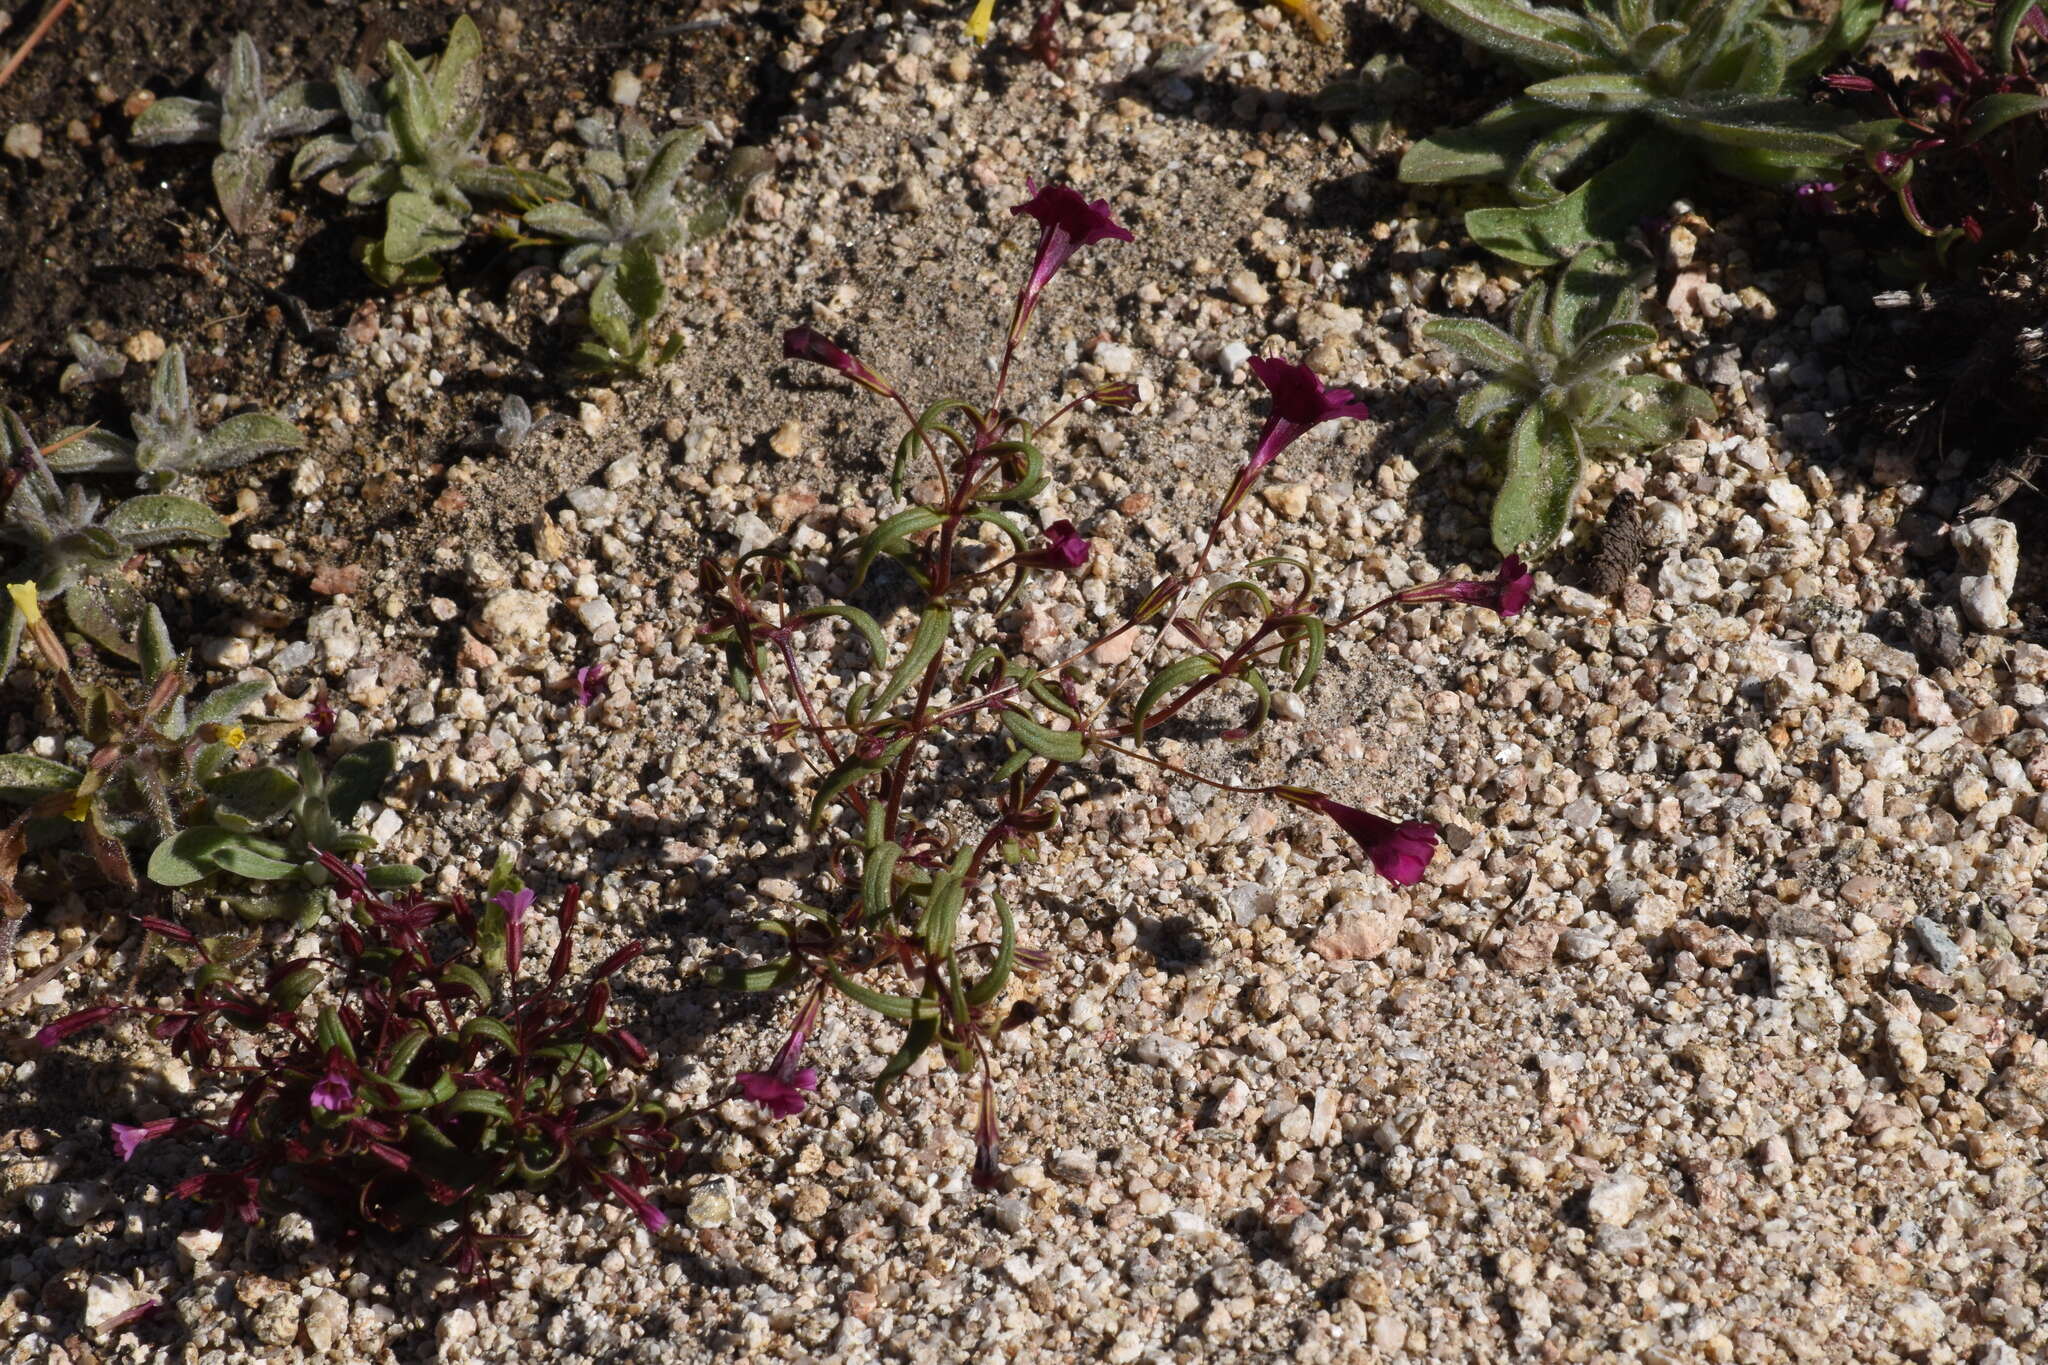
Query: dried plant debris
x=1621, y=547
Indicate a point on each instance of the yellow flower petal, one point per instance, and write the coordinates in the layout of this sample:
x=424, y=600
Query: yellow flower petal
x=234, y=736
x=24, y=595
x=80, y=807
x=978, y=22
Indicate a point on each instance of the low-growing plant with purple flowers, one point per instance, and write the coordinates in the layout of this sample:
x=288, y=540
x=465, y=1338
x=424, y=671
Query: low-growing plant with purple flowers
x=913, y=927
x=413, y=1069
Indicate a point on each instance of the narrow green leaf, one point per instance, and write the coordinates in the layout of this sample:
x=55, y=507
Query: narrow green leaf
x=890, y=536
x=1171, y=678
x=900, y=1007
x=932, y=629
x=486, y=1102
x=991, y=985
x=1995, y=111
x=878, y=879
x=1061, y=746
x=916, y=1041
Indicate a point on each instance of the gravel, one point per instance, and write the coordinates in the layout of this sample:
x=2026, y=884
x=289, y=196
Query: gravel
x=1711, y=1034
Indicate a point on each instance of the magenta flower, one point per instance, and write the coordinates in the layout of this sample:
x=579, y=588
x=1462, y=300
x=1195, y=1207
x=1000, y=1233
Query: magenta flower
x=780, y=1089
x=50, y=1035
x=801, y=343
x=588, y=679
x=782, y=1097
x=332, y=1092
x=1064, y=548
x=127, y=1137
x=1400, y=851
x=1300, y=403
x=1066, y=222
x=654, y=1219
x=514, y=904
x=1507, y=592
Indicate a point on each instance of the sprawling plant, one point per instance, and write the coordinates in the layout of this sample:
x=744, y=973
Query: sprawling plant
x=416, y=1068
x=1632, y=96
x=173, y=774
x=1552, y=392
x=168, y=442
x=68, y=552
x=242, y=119
x=1967, y=164
x=914, y=928
x=411, y=146
x=91, y=364
x=624, y=309
x=637, y=191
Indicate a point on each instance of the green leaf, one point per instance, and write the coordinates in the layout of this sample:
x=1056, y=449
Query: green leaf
x=241, y=177
x=1596, y=288
x=1484, y=345
x=1787, y=127
x=1995, y=111
x=25, y=777
x=900, y=1007
x=243, y=861
x=1599, y=92
x=1061, y=746
x=941, y=918
x=457, y=81
x=1561, y=154
x=878, y=880
x=2005, y=33
x=91, y=452
x=416, y=226
x=566, y=221
x=932, y=628
x=768, y=976
x=153, y=645
x=159, y=518
x=173, y=119
x=640, y=285
x=484, y=1026
x=254, y=796
x=394, y=876
x=225, y=705
x=1611, y=346
x=1171, y=678
x=486, y=1102
x=468, y=977
x=891, y=535
x=358, y=776
x=250, y=436
x=1481, y=151
x=1535, y=500
x=870, y=633
x=1476, y=406
x=1530, y=35
x=328, y=1032
x=1310, y=632
x=991, y=986
x=1603, y=208
x=916, y=1041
